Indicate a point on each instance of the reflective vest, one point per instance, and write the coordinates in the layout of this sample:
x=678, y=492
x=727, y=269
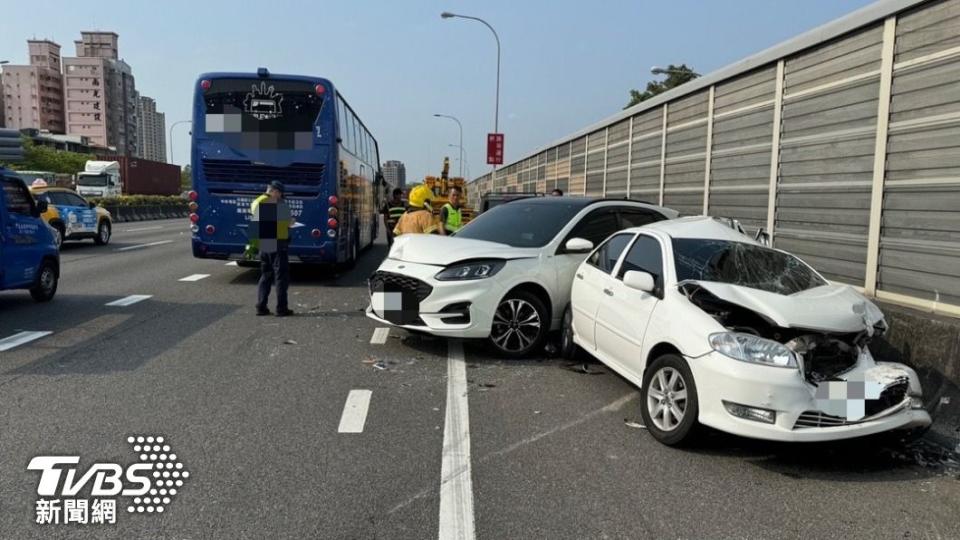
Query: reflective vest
x=454, y=218
x=394, y=213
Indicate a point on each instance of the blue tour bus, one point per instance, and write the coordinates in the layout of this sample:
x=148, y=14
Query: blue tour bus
x=252, y=128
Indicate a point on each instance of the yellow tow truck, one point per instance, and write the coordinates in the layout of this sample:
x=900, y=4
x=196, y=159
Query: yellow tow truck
x=441, y=186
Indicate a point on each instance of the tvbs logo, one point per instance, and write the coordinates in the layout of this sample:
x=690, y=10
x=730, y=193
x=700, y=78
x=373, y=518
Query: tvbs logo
x=150, y=484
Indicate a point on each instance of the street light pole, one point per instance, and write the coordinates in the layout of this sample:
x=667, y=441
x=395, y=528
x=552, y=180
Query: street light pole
x=463, y=160
x=496, y=113
x=170, y=138
x=454, y=118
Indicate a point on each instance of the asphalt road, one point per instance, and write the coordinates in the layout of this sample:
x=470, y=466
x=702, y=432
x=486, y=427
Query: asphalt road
x=254, y=409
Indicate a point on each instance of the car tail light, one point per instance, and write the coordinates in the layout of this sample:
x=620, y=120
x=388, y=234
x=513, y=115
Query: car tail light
x=332, y=211
x=331, y=233
x=332, y=223
x=193, y=206
x=194, y=218
x=192, y=195
x=320, y=89
x=210, y=229
x=333, y=200
x=205, y=84
x=315, y=233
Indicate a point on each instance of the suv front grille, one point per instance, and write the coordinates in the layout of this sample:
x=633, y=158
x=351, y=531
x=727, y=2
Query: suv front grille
x=408, y=284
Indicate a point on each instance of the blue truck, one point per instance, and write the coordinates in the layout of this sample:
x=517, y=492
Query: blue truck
x=29, y=258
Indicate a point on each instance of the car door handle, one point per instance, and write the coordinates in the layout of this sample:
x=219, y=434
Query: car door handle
x=608, y=292
x=579, y=276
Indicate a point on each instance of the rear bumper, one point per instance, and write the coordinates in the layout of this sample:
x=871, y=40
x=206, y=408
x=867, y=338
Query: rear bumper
x=323, y=252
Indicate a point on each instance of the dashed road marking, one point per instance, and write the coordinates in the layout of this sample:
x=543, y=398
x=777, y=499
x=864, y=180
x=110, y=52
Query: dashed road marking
x=456, y=485
x=20, y=338
x=129, y=300
x=194, y=277
x=143, y=229
x=380, y=336
x=355, y=411
x=141, y=246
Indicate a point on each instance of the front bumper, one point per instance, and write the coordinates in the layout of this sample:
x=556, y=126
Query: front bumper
x=448, y=304
x=786, y=392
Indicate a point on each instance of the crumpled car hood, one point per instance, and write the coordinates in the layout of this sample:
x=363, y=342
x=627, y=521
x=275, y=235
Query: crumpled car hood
x=828, y=308
x=444, y=250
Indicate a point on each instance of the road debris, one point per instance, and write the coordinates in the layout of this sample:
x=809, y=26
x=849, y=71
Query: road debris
x=289, y=342
x=382, y=366
x=633, y=424
x=582, y=369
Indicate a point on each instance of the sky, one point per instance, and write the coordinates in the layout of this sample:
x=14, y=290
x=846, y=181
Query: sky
x=565, y=64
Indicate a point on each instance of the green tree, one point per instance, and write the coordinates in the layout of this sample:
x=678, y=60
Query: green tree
x=43, y=158
x=676, y=75
x=185, y=180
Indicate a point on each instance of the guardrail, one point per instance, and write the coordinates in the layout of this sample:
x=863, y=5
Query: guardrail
x=146, y=212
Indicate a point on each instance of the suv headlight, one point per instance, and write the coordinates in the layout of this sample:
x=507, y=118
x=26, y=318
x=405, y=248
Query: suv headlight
x=753, y=349
x=471, y=270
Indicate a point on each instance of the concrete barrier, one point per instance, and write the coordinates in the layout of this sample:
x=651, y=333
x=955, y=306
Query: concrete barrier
x=122, y=214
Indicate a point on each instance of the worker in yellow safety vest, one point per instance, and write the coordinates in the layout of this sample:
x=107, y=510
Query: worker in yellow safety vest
x=451, y=216
x=391, y=212
x=418, y=219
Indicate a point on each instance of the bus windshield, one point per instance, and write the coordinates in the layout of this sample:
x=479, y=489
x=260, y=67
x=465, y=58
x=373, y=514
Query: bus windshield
x=262, y=115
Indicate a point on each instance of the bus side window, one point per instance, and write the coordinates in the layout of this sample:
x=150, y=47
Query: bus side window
x=350, y=137
x=341, y=127
x=356, y=137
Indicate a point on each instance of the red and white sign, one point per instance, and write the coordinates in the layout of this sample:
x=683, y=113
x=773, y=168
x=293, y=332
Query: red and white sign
x=494, y=148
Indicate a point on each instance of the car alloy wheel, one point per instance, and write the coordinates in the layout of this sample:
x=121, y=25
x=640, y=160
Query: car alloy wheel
x=517, y=326
x=667, y=399
x=57, y=236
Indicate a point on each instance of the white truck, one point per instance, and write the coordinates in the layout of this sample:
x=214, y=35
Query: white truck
x=100, y=179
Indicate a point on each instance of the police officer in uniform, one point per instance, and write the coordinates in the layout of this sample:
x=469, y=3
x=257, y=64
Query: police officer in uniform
x=274, y=259
x=450, y=214
x=392, y=211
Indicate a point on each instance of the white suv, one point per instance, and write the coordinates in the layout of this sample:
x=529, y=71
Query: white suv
x=506, y=276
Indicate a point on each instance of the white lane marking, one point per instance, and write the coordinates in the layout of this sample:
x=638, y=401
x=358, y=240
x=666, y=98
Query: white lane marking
x=355, y=411
x=194, y=277
x=380, y=336
x=143, y=229
x=20, y=338
x=456, y=485
x=129, y=300
x=141, y=246
x=231, y=263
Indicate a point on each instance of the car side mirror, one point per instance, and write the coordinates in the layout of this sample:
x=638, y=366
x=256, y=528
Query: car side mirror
x=92, y=205
x=763, y=237
x=42, y=207
x=578, y=245
x=641, y=281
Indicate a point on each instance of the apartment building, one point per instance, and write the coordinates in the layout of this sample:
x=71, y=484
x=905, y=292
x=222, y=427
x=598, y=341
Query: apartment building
x=151, y=130
x=33, y=93
x=100, y=94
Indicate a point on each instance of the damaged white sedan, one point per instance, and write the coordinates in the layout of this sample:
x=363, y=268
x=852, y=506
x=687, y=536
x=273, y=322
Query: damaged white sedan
x=716, y=329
